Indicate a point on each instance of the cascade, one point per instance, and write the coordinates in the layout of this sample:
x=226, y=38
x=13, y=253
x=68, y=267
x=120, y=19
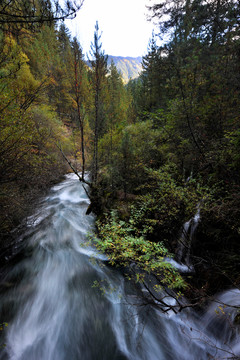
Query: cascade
x=183, y=252
x=55, y=310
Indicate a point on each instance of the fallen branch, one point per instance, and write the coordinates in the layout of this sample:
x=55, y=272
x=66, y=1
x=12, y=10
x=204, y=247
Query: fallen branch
x=75, y=171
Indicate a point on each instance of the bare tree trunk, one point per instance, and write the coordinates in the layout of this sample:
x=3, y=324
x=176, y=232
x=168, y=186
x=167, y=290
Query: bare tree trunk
x=96, y=129
x=80, y=116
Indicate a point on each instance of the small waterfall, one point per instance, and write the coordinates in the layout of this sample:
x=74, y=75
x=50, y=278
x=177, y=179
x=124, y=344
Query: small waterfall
x=55, y=311
x=184, y=249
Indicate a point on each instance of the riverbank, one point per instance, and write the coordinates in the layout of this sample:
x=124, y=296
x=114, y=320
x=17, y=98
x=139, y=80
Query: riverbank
x=157, y=214
x=17, y=204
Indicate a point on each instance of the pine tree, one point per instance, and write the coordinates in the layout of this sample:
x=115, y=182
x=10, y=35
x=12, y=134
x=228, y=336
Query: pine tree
x=99, y=72
x=79, y=69
x=151, y=76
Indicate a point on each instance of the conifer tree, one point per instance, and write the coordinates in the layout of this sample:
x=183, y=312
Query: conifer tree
x=151, y=76
x=79, y=68
x=99, y=72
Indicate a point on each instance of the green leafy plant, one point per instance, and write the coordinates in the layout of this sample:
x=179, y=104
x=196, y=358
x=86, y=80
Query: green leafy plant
x=124, y=248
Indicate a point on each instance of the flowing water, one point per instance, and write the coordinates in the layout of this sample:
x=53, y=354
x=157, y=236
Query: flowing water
x=63, y=302
x=185, y=241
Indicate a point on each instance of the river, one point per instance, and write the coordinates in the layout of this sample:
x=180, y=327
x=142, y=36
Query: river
x=62, y=302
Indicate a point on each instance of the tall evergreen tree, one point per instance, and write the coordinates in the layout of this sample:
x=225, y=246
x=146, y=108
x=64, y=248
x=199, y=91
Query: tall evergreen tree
x=99, y=72
x=79, y=68
x=153, y=76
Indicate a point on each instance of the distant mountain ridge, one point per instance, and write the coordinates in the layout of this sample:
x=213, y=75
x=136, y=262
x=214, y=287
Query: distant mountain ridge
x=129, y=67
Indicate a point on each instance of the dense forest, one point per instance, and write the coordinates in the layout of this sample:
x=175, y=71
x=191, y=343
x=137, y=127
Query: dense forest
x=156, y=151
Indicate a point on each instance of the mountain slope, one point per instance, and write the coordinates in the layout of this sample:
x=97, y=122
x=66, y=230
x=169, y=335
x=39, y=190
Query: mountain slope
x=129, y=67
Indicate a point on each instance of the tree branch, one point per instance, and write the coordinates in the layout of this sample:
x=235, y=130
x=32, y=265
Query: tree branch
x=75, y=170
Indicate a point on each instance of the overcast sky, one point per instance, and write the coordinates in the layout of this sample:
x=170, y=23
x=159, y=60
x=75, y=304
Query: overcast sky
x=125, y=29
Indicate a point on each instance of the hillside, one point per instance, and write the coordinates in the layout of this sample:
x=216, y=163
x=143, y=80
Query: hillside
x=128, y=66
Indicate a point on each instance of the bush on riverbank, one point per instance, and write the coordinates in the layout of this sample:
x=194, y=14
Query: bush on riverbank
x=157, y=215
